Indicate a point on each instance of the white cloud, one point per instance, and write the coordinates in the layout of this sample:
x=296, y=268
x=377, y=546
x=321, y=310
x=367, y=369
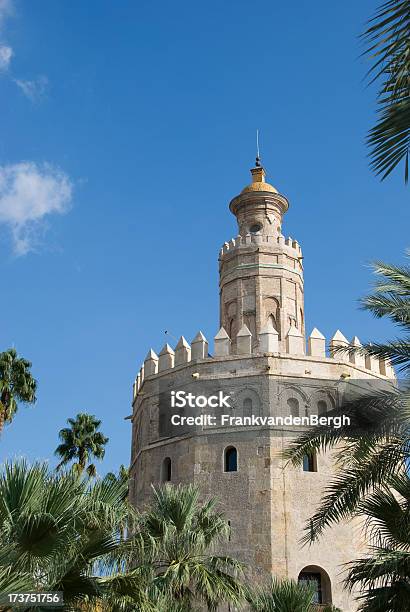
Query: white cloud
x=29, y=193
x=35, y=89
x=6, y=54
x=6, y=9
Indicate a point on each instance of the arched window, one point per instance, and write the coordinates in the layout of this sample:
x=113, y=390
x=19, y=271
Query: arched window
x=321, y=408
x=166, y=470
x=231, y=459
x=310, y=463
x=231, y=326
x=247, y=407
x=313, y=579
x=317, y=578
x=293, y=406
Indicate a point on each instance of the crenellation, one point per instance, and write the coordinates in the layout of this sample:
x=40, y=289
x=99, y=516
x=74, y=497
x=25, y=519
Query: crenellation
x=199, y=347
x=244, y=341
x=316, y=344
x=338, y=340
x=268, y=339
x=295, y=342
x=151, y=363
x=222, y=343
x=372, y=363
x=166, y=358
x=182, y=352
x=357, y=358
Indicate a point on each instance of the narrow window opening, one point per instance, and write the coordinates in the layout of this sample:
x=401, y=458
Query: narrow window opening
x=166, y=470
x=231, y=459
x=310, y=463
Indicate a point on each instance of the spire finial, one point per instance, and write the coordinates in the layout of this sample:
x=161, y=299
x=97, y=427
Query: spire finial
x=258, y=158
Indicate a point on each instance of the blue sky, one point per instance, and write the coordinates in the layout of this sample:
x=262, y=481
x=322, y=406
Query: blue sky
x=126, y=128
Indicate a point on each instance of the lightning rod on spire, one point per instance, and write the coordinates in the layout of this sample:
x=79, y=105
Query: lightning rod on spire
x=258, y=158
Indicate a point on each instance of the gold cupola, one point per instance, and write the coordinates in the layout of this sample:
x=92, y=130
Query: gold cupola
x=258, y=180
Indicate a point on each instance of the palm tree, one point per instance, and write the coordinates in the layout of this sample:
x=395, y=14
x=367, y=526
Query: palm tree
x=81, y=441
x=372, y=457
x=376, y=445
x=282, y=596
x=188, y=572
x=285, y=596
x=16, y=385
x=384, y=575
x=62, y=533
x=388, y=44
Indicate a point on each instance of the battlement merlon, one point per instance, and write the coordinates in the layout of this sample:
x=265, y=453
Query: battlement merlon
x=224, y=349
x=274, y=244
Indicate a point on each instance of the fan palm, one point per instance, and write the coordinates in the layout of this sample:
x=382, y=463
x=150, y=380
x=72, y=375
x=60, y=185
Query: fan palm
x=388, y=43
x=81, y=442
x=188, y=572
x=16, y=385
x=283, y=596
x=61, y=533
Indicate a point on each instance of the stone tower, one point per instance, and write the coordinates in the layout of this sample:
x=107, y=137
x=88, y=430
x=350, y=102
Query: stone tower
x=261, y=272
x=260, y=360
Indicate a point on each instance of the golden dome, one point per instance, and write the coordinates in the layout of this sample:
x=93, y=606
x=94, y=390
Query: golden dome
x=258, y=181
x=259, y=186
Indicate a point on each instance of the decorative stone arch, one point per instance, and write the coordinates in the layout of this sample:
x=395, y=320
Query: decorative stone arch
x=322, y=401
x=247, y=402
x=324, y=585
x=271, y=308
x=292, y=392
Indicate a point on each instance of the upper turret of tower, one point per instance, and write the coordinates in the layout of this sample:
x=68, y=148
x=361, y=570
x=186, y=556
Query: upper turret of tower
x=259, y=207
x=258, y=181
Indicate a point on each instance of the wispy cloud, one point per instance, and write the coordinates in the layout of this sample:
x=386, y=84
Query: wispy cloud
x=29, y=193
x=34, y=89
x=6, y=52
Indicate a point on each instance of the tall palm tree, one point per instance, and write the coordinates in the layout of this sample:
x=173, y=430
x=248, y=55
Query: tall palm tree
x=372, y=454
x=188, y=571
x=81, y=442
x=388, y=44
x=376, y=445
x=16, y=385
